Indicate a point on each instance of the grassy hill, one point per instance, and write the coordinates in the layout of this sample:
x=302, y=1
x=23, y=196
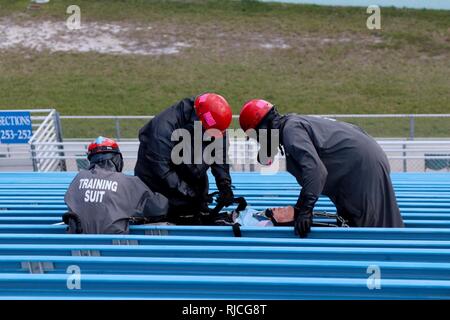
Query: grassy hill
x=305, y=59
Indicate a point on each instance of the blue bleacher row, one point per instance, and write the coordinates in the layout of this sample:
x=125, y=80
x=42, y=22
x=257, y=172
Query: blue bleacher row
x=197, y=262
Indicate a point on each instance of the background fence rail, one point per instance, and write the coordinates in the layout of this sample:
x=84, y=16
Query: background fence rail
x=412, y=142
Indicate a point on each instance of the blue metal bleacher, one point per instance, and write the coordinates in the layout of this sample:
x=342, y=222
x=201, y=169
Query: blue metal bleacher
x=195, y=262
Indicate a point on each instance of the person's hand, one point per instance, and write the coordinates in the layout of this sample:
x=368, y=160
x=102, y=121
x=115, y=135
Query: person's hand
x=303, y=223
x=226, y=195
x=203, y=207
x=186, y=190
x=304, y=213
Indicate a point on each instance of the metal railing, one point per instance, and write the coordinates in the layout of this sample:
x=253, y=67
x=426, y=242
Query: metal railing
x=404, y=155
x=410, y=123
x=47, y=152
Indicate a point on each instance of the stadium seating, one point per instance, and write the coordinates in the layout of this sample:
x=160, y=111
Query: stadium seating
x=195, y=262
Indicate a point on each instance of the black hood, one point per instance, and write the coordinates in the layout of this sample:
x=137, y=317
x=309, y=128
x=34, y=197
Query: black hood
x=268, y=150
x=107, y=161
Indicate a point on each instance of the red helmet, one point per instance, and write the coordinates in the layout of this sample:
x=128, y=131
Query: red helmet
x=102, y=145
x=253, y=112
x=214, y=111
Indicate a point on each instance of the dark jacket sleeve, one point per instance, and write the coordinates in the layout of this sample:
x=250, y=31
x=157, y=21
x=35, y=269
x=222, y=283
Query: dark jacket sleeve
x=157, y=138
x=165, y=172
x=150, y=204
x=221, y=171
x=311, y=173
x=70, y=193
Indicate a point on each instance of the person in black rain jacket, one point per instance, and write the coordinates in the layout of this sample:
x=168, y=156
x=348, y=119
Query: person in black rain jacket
x=186, y=184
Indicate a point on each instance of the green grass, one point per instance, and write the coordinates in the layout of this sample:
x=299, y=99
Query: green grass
x=403, y=68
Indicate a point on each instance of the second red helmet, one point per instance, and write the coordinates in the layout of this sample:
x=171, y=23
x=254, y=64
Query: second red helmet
x=253, y=112
x=214, y=111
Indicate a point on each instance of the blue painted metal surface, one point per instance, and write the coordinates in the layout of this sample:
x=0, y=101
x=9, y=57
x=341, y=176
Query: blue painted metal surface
x=209, y=263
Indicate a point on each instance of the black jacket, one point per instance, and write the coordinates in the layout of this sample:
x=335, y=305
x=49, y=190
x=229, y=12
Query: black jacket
x=184, y=184
x=341, y=161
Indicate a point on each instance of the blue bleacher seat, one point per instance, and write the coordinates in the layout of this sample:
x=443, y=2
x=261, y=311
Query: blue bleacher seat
x=198, y=262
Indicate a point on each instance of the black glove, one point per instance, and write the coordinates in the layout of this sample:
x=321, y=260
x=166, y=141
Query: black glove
x=186, y=190
x=303, y=213
x=203, y=207
x=226, y=195
x=303, y=223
